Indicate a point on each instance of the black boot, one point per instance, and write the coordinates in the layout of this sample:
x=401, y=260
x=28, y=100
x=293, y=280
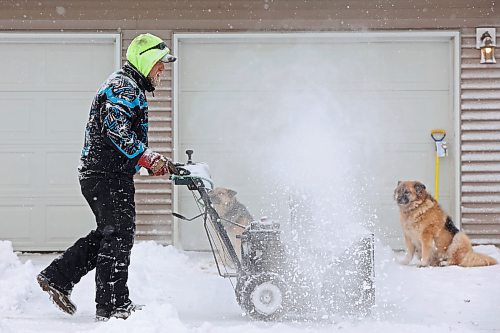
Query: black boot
x=59, y=297
x=125, y=311
x=121, y=312
x=102, y=314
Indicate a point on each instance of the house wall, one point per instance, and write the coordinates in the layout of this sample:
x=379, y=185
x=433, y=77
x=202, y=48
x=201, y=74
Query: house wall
x=480, y=127
x=480, y=84
x=245, y=15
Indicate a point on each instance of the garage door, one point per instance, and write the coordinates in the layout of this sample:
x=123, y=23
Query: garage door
x=329, y=122
x=46, y=87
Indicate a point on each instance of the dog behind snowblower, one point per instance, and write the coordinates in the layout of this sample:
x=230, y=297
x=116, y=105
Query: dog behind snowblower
x=271, y=279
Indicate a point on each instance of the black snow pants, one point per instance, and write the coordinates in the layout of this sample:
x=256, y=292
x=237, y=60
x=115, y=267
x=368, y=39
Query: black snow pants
x=107, y=248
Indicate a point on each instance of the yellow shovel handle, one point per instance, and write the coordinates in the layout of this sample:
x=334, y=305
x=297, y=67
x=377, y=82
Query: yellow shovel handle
x=436, y=179
x=437, y=135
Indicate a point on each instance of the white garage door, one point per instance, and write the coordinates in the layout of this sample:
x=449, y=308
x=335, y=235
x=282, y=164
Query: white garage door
x=337, y=118
x=46, y=88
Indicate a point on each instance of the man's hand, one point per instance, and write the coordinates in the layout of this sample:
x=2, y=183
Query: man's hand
x=172, y=169
x=156, y=163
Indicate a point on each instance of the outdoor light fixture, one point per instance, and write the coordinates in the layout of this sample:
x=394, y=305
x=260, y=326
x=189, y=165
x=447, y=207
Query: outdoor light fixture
x=485, y=41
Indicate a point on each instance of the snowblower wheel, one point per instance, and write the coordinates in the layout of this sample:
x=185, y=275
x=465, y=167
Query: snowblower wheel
x=264, y=296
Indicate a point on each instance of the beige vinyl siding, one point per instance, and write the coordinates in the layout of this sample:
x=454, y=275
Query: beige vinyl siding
x=154, y=194
x=245, y=15
x=480, y=104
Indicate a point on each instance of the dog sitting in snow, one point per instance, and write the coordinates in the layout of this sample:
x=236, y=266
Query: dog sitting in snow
x=230, y=210
x=430, y=232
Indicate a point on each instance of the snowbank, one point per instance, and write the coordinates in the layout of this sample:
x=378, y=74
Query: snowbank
x=15, y=280
x=183, y=293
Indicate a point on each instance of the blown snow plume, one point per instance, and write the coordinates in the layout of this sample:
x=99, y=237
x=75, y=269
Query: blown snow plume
x=303, y=141
x=314, y=150
x=320, y=187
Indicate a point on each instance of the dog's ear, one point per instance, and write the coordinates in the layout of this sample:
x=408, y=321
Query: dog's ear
x=419, y=187
x=231, y=193
x=395, y=195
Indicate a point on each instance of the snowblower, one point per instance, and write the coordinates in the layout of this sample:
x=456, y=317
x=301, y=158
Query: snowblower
x=271, y=279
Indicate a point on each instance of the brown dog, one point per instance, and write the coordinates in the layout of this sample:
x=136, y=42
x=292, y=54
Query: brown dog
x=430, y=232
x=231, y=211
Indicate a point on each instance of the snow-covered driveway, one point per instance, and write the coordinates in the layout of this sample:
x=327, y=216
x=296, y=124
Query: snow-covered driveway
x=183, y=293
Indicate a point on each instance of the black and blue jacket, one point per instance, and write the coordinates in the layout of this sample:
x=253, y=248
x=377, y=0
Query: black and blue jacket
x=117, y=130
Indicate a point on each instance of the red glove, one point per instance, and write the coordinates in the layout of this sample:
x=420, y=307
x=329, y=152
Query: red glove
x=156, y=163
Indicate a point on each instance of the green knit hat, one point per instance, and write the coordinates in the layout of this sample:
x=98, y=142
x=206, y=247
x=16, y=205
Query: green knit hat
x=146, y=50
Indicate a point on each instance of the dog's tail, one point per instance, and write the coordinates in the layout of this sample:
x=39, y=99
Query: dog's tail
x=460, y=253
x=474, y=259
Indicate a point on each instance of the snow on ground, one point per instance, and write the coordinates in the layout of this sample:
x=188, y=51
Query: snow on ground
x=183, y=293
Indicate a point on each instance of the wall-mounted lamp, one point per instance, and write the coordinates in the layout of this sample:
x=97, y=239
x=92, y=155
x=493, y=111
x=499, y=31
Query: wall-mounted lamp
x=485, y=41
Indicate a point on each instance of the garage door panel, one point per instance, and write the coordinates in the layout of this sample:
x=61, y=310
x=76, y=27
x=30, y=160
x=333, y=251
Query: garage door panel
x=16, y=169
x=44, y=116
x=49, y=66
x=16, y=222
x=213, y=121
x=74, y=74
x=245, y=65
x=400, y=108
x=255, y=121
x=370, y=115
x=67, y=223
x=402, y=164
x=26, y=69
x=16, y=115
x=57, y=177
x=26, y=112
x=66, y=116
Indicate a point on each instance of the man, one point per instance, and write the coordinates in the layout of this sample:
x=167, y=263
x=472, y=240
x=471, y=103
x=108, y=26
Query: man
x=116, y=140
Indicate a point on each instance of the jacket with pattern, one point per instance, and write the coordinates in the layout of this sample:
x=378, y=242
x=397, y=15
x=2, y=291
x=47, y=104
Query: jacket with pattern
x=117, y=130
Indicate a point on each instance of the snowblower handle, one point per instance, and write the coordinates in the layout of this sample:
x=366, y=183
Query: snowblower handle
x=189, y=152
x=180, y=171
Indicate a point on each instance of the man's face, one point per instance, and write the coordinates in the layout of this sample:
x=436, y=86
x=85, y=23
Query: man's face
x=154, y=74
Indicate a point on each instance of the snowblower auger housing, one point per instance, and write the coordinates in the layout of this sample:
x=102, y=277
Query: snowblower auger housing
x=270, y=280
